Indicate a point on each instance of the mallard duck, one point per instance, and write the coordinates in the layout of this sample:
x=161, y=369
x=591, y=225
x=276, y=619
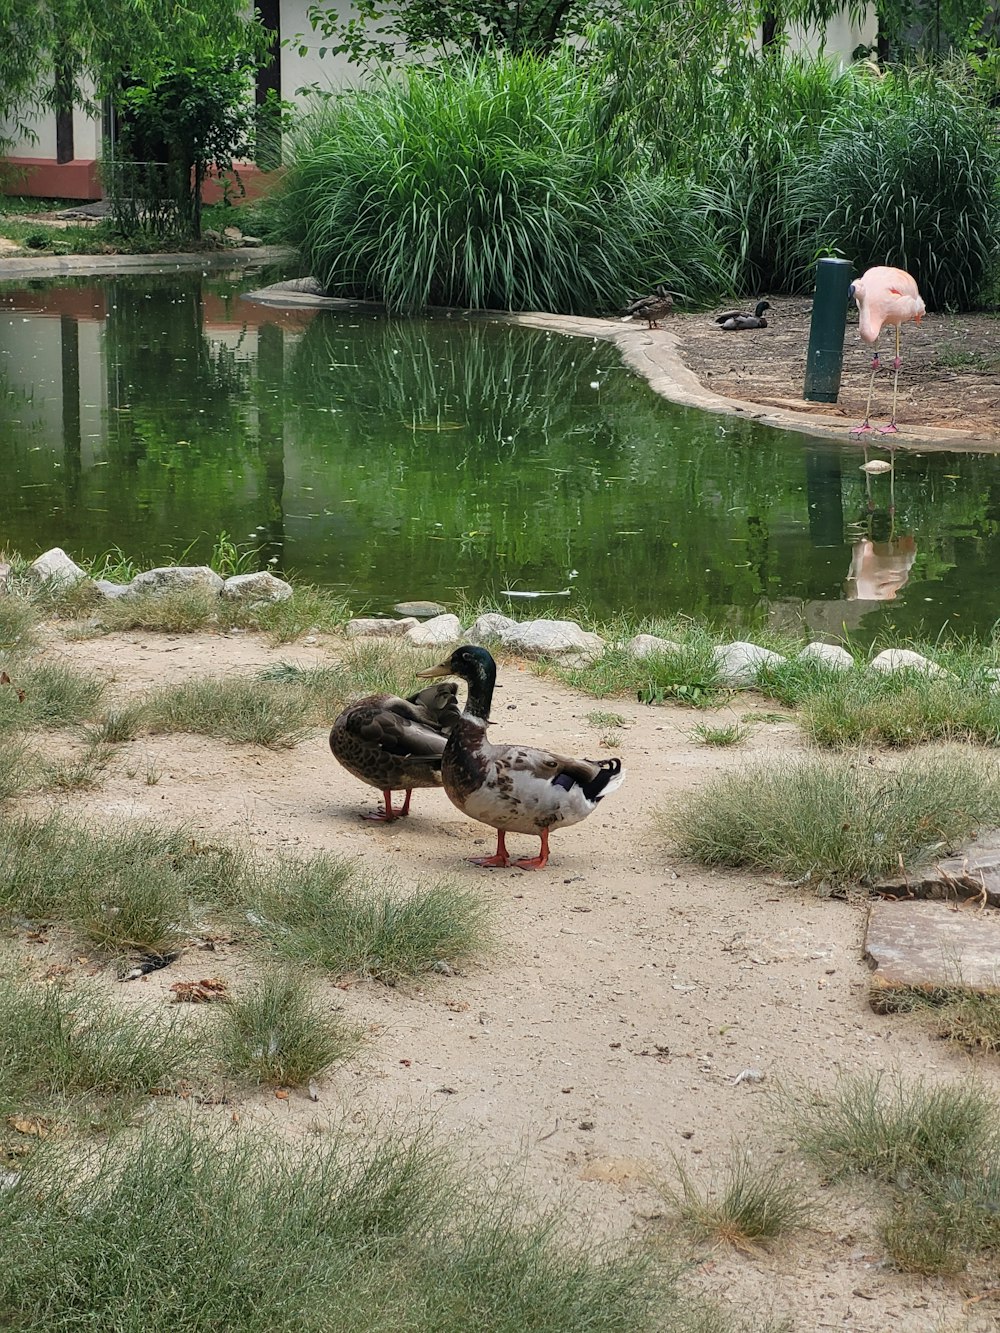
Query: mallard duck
x=651, y=308
x=513, y=788
x=396, y=744
x=735, y=320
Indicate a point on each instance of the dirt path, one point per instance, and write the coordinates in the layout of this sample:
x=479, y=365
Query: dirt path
x=604, y=1037
x=950, y=375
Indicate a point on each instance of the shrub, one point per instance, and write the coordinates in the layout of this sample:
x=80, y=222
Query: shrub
x=489, y=184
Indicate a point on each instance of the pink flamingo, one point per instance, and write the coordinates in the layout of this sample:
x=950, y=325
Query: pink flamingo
x=884, y=296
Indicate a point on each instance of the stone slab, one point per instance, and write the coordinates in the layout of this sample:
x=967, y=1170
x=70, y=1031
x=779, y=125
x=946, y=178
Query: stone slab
x=921, y=945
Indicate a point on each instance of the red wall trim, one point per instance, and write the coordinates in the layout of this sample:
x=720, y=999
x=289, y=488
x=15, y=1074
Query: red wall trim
x=43, y=178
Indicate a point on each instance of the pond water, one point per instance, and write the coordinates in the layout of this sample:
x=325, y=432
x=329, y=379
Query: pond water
x=393, y=459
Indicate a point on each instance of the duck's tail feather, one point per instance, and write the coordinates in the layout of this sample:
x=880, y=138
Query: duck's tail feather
x=610, y=777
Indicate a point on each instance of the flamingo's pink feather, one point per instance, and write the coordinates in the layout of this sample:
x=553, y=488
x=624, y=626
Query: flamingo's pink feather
x=886, y=296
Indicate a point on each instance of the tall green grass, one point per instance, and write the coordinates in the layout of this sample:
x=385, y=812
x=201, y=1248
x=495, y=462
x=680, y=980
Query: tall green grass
x=904, y=173
x=489, y=183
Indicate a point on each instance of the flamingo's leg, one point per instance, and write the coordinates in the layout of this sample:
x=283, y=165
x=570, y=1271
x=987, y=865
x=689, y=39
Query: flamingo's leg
x=892, y=428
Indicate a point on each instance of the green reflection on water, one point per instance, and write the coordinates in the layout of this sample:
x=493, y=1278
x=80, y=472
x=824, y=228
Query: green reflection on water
x=401, y=459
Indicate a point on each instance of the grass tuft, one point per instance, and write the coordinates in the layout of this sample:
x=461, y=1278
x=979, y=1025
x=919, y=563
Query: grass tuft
x=733, y=734
x=53, y=696
x=865, y=708
x=20, y=769
x=83, y=772
x=751, y=1205
x=899, y=1132
x=19, y=621
x=308, y=611
x=70, y=1048
x=238, y=1230
x=836, y=819
x=241, y=709
x=127, y=887
x=119, y=724
x=689, y=675
x=168, y=611
x=326, y=911
x=279, y=1031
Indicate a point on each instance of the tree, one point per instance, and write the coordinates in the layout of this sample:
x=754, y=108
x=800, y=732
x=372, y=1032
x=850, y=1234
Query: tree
x=80, y=51
x=376, y=32
x=172, y=128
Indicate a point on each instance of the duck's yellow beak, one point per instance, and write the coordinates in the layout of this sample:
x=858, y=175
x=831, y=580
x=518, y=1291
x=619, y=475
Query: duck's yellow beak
x=442, y=669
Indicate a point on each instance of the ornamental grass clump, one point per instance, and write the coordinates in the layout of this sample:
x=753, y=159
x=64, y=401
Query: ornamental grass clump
x=488, y=183
x=905, y=173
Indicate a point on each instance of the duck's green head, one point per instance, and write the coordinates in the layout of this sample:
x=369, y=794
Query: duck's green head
x=477, y=668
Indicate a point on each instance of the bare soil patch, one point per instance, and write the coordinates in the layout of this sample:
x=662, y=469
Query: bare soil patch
x=950, y=374
x=606, y=1036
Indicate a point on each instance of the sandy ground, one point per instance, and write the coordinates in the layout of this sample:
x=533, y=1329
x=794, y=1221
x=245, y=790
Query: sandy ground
x=950, y=374
x=604, y=1037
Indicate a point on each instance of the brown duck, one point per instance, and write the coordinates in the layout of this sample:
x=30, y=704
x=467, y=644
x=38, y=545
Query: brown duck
x=651, y=308
x=513, y=788
x=396, y=744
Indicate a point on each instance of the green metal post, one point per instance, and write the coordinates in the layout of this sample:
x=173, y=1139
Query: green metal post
x=825, y=358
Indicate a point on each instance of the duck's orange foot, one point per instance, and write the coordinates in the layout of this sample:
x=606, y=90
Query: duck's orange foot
x=499, y=857
x=387, y=815
x=537, y=862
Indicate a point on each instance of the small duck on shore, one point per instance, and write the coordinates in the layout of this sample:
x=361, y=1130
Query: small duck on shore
x=396, y=744
x=737, y=320
x=513, y=788
x=651, y=308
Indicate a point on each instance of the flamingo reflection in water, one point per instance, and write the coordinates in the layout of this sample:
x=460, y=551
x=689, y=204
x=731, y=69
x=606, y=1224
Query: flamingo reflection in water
x=880, y=566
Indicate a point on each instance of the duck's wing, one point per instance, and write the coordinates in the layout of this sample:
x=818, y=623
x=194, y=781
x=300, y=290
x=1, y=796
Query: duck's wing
x=730, y=314
x=640, y=304
x=394, y=729
x=436, y=706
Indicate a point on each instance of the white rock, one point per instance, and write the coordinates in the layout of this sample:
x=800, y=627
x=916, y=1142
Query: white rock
x=739, y=662
x=827, y=654
x=440, y=630
x=904, y=659
x=543, y=638
x=645, y=645
x=112, y=591
x=166, y=578
x=492, y=628
x=55, y=566
x=258, y=587
x=375, y=627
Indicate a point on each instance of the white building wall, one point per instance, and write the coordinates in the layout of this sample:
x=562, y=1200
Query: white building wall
x=302, y=67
